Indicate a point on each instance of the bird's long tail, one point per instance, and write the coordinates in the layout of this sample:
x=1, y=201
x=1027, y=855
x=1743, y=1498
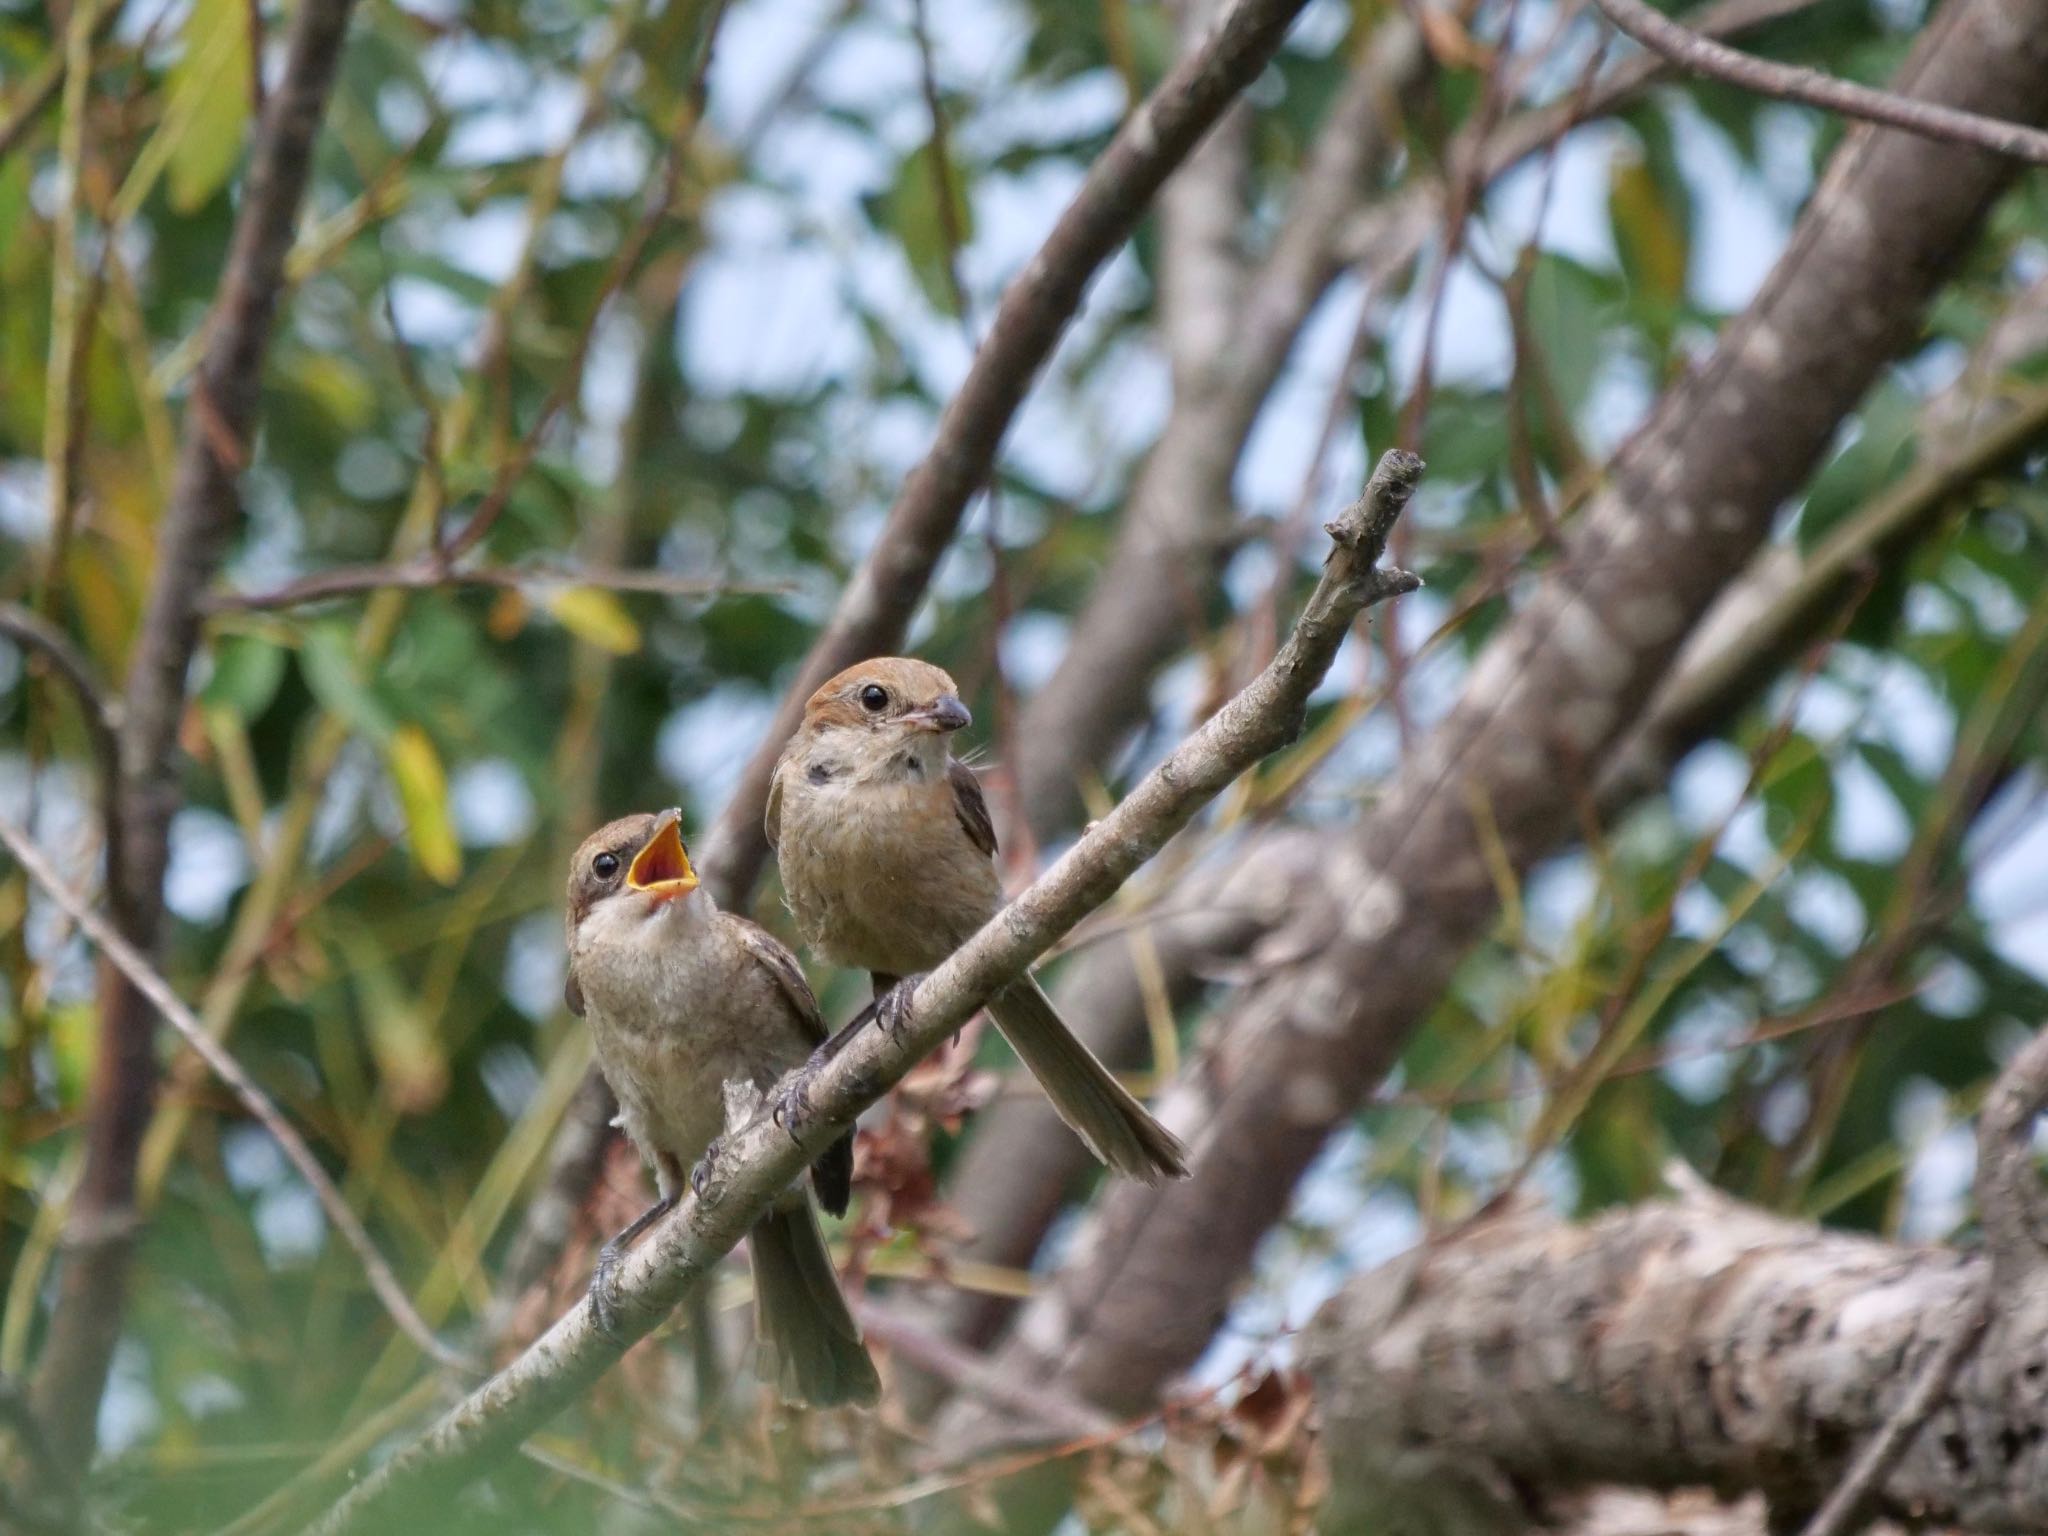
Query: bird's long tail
x=1100, y=1110
x=810, y=1345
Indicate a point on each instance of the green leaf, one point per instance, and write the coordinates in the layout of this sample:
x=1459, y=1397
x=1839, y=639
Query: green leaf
x=246, y=673
x=330, y=664
x=73, y=1032
x=1569, y=310
x=423, y=793
x=209, y=101
x=914, y=214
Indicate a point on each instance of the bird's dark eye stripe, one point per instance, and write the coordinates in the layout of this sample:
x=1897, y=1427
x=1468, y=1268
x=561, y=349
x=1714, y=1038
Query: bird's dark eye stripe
x=874, y=697
x=606, y=865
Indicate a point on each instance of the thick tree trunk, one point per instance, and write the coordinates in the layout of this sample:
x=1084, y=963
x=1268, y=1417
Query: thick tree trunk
x=1398, y=904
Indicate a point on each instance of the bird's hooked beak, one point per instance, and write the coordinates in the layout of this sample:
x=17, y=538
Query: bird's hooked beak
x=945, y=713
x=662, y=869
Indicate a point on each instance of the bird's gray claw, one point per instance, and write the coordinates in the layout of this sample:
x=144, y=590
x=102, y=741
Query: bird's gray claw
x=793, y=1104
x=707, y=1165
x=892, y=1008
x=604, y=1292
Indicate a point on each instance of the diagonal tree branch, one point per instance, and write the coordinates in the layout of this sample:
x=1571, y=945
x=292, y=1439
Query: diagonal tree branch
x=1787, y=82
x=1398, y=904
x=759, y=1159
x=204, y=510
x=1180, y=510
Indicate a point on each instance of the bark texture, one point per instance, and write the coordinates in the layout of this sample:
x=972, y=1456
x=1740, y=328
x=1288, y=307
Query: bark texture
x=1398, y=903
x=1691, y=1344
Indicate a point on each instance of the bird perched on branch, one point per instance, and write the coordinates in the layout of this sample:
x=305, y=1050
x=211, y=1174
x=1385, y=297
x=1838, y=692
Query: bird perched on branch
x=888, y=862
x=681, y=997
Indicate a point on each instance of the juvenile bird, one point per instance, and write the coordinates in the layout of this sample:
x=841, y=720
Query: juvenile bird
x=888, y=864
x=681, y=997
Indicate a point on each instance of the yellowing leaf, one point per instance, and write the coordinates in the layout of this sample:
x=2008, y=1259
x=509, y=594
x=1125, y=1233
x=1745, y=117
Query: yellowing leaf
x=423, y=793
x=73, y=1032
x=338, y=388
x=209, y=101
x=592, y=614
x=1651, y=237
x=412, y=1065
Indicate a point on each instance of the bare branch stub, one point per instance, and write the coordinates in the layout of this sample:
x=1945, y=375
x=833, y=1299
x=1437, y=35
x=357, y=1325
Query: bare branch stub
x=760, y=1159
x=1788, y=82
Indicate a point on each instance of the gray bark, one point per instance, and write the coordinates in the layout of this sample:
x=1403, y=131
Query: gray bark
x=1690, y=1344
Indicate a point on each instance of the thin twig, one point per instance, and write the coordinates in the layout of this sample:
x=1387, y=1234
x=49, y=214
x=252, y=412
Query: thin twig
x=969, y=1370
x=430, y=573
x=760, y=1158
x=34, y=633
x=1790, y=82
x=146, y=980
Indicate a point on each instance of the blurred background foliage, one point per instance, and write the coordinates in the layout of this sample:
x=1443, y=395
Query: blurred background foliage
x=1795, y=966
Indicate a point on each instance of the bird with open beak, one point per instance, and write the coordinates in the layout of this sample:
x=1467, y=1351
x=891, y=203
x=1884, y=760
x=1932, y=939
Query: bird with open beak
x=888, y=864
x=680, y=997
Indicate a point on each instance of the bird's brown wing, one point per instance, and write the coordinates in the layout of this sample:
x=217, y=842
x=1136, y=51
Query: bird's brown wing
x=832, y=1173
x=779, y=963
x=972, y=808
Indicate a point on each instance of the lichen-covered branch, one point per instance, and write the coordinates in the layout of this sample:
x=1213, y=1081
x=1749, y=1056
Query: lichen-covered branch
x=1468, y=1386
x=760, y=1159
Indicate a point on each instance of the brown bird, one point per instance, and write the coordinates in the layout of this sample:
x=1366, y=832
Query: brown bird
x=681, y=997
x=888, y=863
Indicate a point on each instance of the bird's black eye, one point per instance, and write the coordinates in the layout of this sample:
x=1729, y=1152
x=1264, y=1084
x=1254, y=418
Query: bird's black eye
x=605, y=865
x=874, y=698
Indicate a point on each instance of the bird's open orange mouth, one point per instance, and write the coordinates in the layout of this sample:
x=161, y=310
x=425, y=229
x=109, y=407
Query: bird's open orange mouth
x=662, y=869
